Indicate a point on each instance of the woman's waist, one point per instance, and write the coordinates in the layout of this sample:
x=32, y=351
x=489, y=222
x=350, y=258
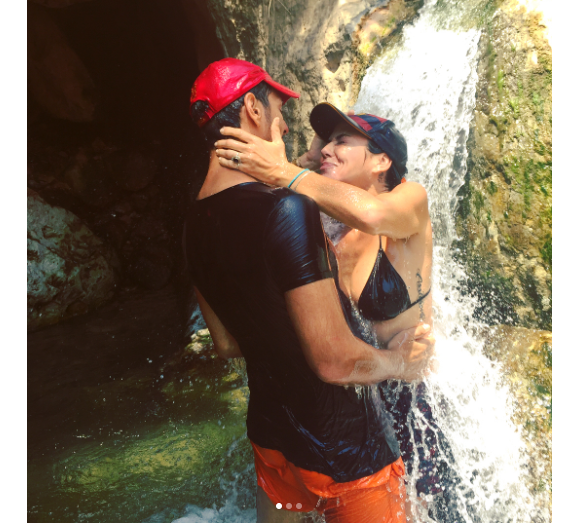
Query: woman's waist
x=418, y=314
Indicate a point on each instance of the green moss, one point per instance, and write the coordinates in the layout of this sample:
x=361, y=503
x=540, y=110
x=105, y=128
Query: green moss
x=500, y=83
x=491, y=188
x=478, y=200
x=514, y=104
x=489, y=216
x=546, y=217
x=546, y=251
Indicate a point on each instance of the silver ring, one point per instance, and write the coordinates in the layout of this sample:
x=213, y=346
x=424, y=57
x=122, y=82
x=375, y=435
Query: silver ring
x=236, y=158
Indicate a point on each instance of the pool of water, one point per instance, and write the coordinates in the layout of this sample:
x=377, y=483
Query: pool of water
x=122, y=428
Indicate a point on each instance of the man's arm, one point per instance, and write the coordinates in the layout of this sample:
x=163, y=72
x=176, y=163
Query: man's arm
x=336, y=355
x=224, y=343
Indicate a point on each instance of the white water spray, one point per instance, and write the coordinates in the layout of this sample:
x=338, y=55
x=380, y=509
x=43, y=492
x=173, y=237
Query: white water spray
x=426, y=85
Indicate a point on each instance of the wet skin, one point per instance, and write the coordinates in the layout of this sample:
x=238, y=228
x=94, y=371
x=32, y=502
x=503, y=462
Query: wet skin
x=346, y=158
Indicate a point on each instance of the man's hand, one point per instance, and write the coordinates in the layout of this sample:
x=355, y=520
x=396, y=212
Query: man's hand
x=414, y=348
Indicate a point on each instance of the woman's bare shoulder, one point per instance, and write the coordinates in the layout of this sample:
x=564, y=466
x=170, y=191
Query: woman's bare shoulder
x=407, y=189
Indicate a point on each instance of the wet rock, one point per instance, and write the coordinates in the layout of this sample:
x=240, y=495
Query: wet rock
x=70, y=270
x=505, y=215
x=57, y=79
x=376, y=31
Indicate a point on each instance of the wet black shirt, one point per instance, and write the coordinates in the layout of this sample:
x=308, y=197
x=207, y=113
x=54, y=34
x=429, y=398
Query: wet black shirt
x=246, y=246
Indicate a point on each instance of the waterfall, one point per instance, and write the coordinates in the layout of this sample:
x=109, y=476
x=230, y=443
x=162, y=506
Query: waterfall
x=426, y=84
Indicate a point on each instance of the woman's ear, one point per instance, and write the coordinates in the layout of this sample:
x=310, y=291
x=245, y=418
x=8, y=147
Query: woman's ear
x=383, y=163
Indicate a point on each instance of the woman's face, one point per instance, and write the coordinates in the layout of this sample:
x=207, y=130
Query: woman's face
x=346, y=158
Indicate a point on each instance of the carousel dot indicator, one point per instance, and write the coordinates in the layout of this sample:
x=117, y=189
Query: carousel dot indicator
x=288, y=506
x=298, y=505
x=278, y=506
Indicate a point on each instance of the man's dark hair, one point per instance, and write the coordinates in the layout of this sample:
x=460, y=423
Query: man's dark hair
x=391, y=178
x=229, y=115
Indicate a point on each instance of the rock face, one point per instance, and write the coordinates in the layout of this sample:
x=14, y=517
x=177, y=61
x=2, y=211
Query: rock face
x=57, y=78
x=526, y=359
x=70, y=271
x=376, y=32
x=505, y=217
x=303, y=44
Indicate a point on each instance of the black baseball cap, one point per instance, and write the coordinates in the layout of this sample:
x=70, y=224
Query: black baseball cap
x=325, y=117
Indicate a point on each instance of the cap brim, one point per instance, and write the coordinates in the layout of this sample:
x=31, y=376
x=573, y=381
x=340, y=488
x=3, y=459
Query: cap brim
x=325, y=117
x=283, y=90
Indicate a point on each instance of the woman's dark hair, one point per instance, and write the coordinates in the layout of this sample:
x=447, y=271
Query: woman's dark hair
x=229, y=115
x=390, y=177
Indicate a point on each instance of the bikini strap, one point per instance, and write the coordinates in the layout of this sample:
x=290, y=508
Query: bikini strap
x=420, y=299
x=380, y=244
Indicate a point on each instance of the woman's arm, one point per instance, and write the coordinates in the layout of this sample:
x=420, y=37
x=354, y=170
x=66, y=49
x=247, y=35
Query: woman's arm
x=398, y=214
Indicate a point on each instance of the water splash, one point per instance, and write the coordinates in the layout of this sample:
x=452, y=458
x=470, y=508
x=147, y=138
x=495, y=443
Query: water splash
x=426, y=84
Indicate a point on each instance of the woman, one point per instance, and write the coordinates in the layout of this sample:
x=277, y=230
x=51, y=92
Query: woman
x=384, y=255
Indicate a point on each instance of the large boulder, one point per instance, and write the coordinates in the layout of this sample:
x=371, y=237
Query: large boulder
x=70, y=270
x=57, y=79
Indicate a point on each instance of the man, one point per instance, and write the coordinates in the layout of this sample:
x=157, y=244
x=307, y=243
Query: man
x=258, y=258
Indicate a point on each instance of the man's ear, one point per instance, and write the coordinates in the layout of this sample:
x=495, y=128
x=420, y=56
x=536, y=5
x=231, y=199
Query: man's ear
x=253, y=109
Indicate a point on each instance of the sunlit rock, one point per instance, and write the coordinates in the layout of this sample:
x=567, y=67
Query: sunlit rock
x=306, y=45
x=57, y=78
x=376, y=32
x=70, y=270
x=505, y=216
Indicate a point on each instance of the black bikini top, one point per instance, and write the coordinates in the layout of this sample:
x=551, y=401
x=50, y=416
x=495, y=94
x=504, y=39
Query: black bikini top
x=385, y=294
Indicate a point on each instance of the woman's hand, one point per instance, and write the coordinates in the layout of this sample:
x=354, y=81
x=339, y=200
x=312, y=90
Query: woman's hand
x=416, y=348
x=311, y=158
x=263, y=160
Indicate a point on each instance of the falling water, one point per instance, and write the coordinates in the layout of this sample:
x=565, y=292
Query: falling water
x=426, y=85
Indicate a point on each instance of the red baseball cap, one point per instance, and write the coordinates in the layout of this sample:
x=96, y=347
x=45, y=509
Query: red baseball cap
x=226, y=80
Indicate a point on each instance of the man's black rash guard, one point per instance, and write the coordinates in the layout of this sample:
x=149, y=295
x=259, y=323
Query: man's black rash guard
x=246, y=246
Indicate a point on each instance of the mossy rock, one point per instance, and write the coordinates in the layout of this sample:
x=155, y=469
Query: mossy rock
x=505, y=212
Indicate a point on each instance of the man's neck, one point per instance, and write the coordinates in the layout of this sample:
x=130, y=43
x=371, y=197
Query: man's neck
x=219, y=178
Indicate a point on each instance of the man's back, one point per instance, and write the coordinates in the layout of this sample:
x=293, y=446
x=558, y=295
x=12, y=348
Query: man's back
x=247, y=246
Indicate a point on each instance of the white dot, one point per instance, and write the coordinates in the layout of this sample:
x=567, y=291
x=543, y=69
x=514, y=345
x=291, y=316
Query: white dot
x=288, y=506
x=298, y=505
x=278, y=506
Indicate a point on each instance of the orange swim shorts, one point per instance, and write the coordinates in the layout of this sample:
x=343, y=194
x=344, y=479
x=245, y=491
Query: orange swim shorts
x=377, y=498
